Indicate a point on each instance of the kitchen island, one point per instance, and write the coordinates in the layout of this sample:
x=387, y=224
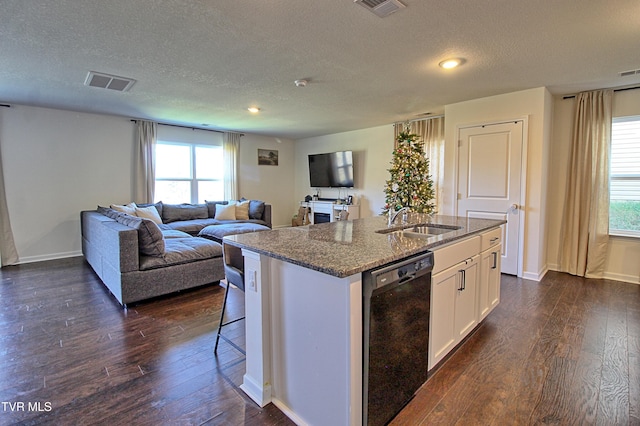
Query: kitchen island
x=303, y=301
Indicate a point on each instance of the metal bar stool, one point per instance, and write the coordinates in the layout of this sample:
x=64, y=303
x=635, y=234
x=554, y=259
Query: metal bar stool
x=234, y=271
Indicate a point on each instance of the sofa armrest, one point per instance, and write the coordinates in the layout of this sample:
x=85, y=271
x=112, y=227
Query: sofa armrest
x=105, y=240
x=266, y=216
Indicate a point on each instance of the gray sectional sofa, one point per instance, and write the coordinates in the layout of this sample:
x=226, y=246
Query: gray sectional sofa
x=137, y=258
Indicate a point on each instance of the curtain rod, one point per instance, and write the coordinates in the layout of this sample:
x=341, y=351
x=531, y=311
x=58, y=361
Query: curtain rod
x=188, y=127
x=615, y=90
x=418, y=119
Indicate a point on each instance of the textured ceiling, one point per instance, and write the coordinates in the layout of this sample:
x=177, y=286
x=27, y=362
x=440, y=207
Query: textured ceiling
x=204, y=61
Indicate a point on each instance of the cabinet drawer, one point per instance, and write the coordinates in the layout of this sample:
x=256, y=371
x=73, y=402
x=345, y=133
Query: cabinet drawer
x=448, y=256
x=491, y=238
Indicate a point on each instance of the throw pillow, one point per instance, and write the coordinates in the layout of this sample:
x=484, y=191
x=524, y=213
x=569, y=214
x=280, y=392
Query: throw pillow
x=150, y=213
x=128, y=209
x=256, y=209
x=225, y=212
x=211, y=206
x=242, y=210
x=150, y=239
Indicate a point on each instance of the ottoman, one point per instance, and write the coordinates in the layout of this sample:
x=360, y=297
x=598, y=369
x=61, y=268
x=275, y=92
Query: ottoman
x=216, y=232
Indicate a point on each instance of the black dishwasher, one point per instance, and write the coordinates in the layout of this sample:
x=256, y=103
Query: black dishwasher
x=396, y=300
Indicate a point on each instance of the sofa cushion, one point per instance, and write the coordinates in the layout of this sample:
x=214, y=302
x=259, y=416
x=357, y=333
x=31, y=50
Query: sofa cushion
x=191, y=227
x=128, y=209
x=211, y=206
x=150, y=213
x=157, y=205
x=242, y=210
x=174, y=233
x=150, y=239
x=256, y=209
x=176, y=212
x=182, y=250
x=225, y=212
x=217, y=232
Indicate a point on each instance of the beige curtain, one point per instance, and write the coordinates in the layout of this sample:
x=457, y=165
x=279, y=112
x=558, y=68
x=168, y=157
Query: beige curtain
x=145, y=175
x=431, y=132
x=8, y=251
x=585, y=221
x=230, y=149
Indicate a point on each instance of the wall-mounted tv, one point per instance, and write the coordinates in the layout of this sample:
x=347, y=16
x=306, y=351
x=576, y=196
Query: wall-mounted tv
x=331, y=170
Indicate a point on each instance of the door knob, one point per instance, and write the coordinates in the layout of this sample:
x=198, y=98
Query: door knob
x=513, y=208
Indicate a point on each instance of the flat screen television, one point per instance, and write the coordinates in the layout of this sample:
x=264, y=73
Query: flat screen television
x=331, y=170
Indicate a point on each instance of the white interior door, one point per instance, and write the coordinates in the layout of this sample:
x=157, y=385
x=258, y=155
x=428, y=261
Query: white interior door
x=489, y=181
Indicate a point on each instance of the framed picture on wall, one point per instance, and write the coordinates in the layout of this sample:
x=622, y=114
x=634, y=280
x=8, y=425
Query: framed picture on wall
x=267, y=157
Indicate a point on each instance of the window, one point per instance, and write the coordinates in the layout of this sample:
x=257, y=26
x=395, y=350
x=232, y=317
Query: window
x=624, y=208
x=187, y=172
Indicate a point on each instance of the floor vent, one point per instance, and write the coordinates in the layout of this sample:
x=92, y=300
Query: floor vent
x=108, y=81
x=381, y=8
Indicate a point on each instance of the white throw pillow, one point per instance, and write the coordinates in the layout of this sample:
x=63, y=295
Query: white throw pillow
x=128, y=209
x=242, y=210
x=150, y=213
x=225, y=212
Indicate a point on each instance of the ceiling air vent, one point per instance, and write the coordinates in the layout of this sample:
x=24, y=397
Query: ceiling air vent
x=108, y=81
x=632, y=72
x=381, y=8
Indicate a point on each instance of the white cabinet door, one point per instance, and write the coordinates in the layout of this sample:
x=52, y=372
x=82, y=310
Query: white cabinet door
x=494, y=278
x=466, y=316
x=453, y=307
x=489, y=282
x=442, y=334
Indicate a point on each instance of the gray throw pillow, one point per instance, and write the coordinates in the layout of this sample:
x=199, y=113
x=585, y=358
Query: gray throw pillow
x=150, y=239
x=256, y=209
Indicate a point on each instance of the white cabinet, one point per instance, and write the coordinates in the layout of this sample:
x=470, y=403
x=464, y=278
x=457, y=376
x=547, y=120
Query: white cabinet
x=453, y=296
x=489, y=283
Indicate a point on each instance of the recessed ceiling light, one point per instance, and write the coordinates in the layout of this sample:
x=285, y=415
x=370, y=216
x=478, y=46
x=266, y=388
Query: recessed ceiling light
x=254, y=110
x=451, y=63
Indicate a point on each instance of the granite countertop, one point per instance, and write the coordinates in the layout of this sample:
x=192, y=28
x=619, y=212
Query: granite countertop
x=349, y=247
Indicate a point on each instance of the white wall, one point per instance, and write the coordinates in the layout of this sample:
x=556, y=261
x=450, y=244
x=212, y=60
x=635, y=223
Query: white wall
x=624, y=252
x=372, y=152
x=57, y=163
x=536, y=105
x=272, y=184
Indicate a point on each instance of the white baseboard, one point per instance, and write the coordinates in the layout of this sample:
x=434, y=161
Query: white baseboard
x=622, y=277
x=609, y=275
x=288, y=412
x=45, y=257
x=261, y=395
x=536, y=276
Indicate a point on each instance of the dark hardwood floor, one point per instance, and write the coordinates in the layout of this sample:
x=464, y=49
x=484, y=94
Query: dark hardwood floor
x=562, y=351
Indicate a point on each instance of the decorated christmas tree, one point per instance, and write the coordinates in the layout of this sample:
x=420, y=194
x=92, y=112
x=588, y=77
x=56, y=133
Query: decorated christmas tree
x=410, y=184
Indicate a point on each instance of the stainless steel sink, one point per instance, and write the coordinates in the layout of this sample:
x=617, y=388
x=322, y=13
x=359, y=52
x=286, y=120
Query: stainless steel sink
x=430, y=230
x=422, y=230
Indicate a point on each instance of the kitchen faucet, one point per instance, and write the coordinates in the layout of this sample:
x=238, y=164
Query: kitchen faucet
x=393, y=215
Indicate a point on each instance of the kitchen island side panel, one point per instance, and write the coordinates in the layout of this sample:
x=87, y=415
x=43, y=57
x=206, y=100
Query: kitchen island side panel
x=316, y=344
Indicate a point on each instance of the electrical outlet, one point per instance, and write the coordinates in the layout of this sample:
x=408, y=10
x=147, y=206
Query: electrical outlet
x=251, y=280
